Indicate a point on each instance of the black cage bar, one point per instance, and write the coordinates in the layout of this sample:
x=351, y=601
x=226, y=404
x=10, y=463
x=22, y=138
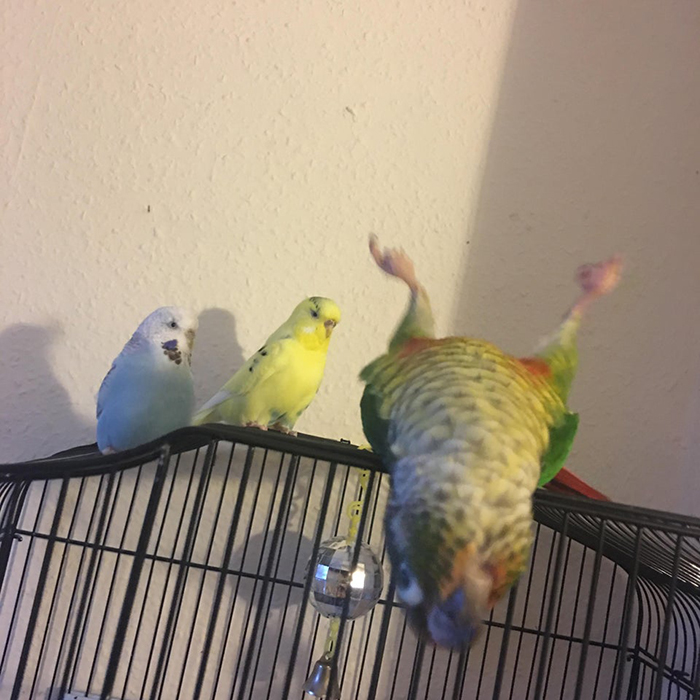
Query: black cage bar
x=179, y=571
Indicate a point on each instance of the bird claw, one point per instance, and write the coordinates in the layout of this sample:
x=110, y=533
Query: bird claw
x=283, y=429
x=598, y=279
x=394, y=262
x=253, y=424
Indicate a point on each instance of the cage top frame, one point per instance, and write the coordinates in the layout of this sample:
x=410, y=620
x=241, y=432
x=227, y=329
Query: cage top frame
x=582, y=518
x=85, y=460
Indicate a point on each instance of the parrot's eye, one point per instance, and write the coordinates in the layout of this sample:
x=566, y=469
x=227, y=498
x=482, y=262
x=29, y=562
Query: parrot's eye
x=173, y=324
x=314, y=313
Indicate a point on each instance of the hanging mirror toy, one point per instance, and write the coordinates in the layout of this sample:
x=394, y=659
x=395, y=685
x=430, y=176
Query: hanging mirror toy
x=338, y=587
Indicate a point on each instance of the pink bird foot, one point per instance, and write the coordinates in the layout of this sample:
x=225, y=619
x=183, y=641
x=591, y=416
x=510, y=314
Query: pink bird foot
x=283, y=429
x=597, y=279
x=394, y=262
x=253, y=424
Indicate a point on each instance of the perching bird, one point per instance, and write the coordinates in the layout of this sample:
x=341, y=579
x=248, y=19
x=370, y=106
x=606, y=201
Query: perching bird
x=276, y=385
x=466, y=432
x=148, y=391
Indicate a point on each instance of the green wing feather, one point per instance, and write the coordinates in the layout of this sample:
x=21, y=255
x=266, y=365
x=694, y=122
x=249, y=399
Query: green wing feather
x=375, y=427
x=373, y=409
x=561, y=438
x=561, y=355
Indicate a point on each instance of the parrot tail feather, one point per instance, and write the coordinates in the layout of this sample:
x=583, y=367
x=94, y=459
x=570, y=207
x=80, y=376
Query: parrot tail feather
x=203, y=416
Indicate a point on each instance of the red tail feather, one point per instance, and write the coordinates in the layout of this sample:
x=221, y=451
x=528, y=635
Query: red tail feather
x=567, y=483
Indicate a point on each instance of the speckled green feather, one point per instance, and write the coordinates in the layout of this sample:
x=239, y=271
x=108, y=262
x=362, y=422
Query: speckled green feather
x=551, y=383
x=467, y=433
x=463, y=428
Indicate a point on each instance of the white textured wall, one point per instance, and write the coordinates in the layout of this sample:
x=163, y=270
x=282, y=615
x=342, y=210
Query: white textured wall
x=267, y=139
x=595, y=148
x=233, y=156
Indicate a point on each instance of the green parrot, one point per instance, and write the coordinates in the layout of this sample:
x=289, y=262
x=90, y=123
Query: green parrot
x=467, y=433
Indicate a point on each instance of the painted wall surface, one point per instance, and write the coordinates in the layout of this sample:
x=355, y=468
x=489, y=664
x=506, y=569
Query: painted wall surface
x=233, y=157
x=595, y=148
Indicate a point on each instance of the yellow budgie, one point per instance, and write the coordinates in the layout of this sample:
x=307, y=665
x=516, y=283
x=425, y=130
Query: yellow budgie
x=276, y=385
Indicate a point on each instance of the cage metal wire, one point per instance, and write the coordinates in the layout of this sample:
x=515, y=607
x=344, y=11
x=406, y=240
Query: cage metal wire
x=178, y=571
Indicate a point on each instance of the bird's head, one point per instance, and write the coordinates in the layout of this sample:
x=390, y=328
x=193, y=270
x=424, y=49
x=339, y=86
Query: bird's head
x=313, y=322
x=446, y=591
x=172, y=330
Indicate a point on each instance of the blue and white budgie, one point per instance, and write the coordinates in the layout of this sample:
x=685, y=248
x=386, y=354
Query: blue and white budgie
x=148, y=391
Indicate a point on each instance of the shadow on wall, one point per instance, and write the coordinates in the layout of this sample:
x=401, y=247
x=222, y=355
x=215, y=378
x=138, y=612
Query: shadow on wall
x=36, y=412
x=595, y=150
x=217, y=353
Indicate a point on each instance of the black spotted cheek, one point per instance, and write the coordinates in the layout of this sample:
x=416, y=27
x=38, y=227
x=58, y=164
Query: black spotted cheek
x=173, y=355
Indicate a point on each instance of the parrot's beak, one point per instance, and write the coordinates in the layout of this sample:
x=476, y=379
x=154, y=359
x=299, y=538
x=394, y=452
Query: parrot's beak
x=329, y=325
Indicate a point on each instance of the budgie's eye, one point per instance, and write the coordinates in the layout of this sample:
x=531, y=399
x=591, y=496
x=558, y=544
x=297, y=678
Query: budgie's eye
x=173, y=324
x=314, y=313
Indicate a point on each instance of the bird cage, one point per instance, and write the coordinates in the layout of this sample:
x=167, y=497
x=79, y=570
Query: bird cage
x=189, y=569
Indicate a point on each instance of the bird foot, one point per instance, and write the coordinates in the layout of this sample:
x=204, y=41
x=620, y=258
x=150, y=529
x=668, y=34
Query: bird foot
x=283, y=429
x=598, y=279
x=394, y=262
x=253, y=424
